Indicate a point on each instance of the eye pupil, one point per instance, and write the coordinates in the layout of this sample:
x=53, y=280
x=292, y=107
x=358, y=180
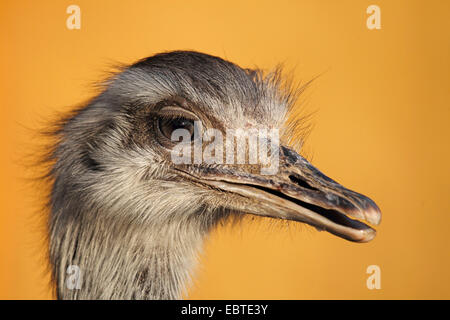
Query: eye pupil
x=167, y=126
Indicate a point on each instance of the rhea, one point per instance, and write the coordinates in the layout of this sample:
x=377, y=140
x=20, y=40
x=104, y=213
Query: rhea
x=132, y=220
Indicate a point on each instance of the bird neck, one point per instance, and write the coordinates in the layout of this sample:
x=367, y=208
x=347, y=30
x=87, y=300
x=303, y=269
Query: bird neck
x=94, y=257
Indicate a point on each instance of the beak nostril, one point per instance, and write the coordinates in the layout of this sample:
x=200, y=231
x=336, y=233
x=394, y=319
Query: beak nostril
x=299, y=181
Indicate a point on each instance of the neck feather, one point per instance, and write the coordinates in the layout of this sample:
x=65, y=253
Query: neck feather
x=116, y=258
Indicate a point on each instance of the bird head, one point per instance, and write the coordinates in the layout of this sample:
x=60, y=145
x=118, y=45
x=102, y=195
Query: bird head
x=121, y=152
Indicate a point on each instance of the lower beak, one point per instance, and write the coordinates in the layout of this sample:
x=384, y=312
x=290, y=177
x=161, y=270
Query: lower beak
x=300, y=192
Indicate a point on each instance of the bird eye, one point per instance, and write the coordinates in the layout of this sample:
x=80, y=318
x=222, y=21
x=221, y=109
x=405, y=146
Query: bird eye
x=171, y=118
x=168, y=125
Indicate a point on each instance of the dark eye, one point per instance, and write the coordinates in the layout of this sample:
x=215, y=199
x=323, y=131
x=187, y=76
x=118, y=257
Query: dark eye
x=169, y=125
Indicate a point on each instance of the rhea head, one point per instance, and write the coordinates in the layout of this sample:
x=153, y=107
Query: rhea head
x=133, y=220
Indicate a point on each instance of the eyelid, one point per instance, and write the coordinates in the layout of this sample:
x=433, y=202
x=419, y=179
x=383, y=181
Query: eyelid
x=177, y=112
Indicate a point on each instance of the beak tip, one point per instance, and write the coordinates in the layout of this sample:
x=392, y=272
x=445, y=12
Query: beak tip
x=373, y=215
x=367, y=235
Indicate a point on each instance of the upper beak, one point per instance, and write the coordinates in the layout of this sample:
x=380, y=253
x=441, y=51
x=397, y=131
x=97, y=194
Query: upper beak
x=300, y=192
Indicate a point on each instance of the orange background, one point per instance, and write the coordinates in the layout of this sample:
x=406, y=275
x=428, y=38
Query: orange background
x=381, y=128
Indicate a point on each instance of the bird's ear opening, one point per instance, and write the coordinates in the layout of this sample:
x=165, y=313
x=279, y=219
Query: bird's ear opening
x=89, y=162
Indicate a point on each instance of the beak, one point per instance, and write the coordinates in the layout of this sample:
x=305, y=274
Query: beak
x=300, y=192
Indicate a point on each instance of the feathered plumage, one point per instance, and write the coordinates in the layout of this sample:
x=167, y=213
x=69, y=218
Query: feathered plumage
x=128, y=218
